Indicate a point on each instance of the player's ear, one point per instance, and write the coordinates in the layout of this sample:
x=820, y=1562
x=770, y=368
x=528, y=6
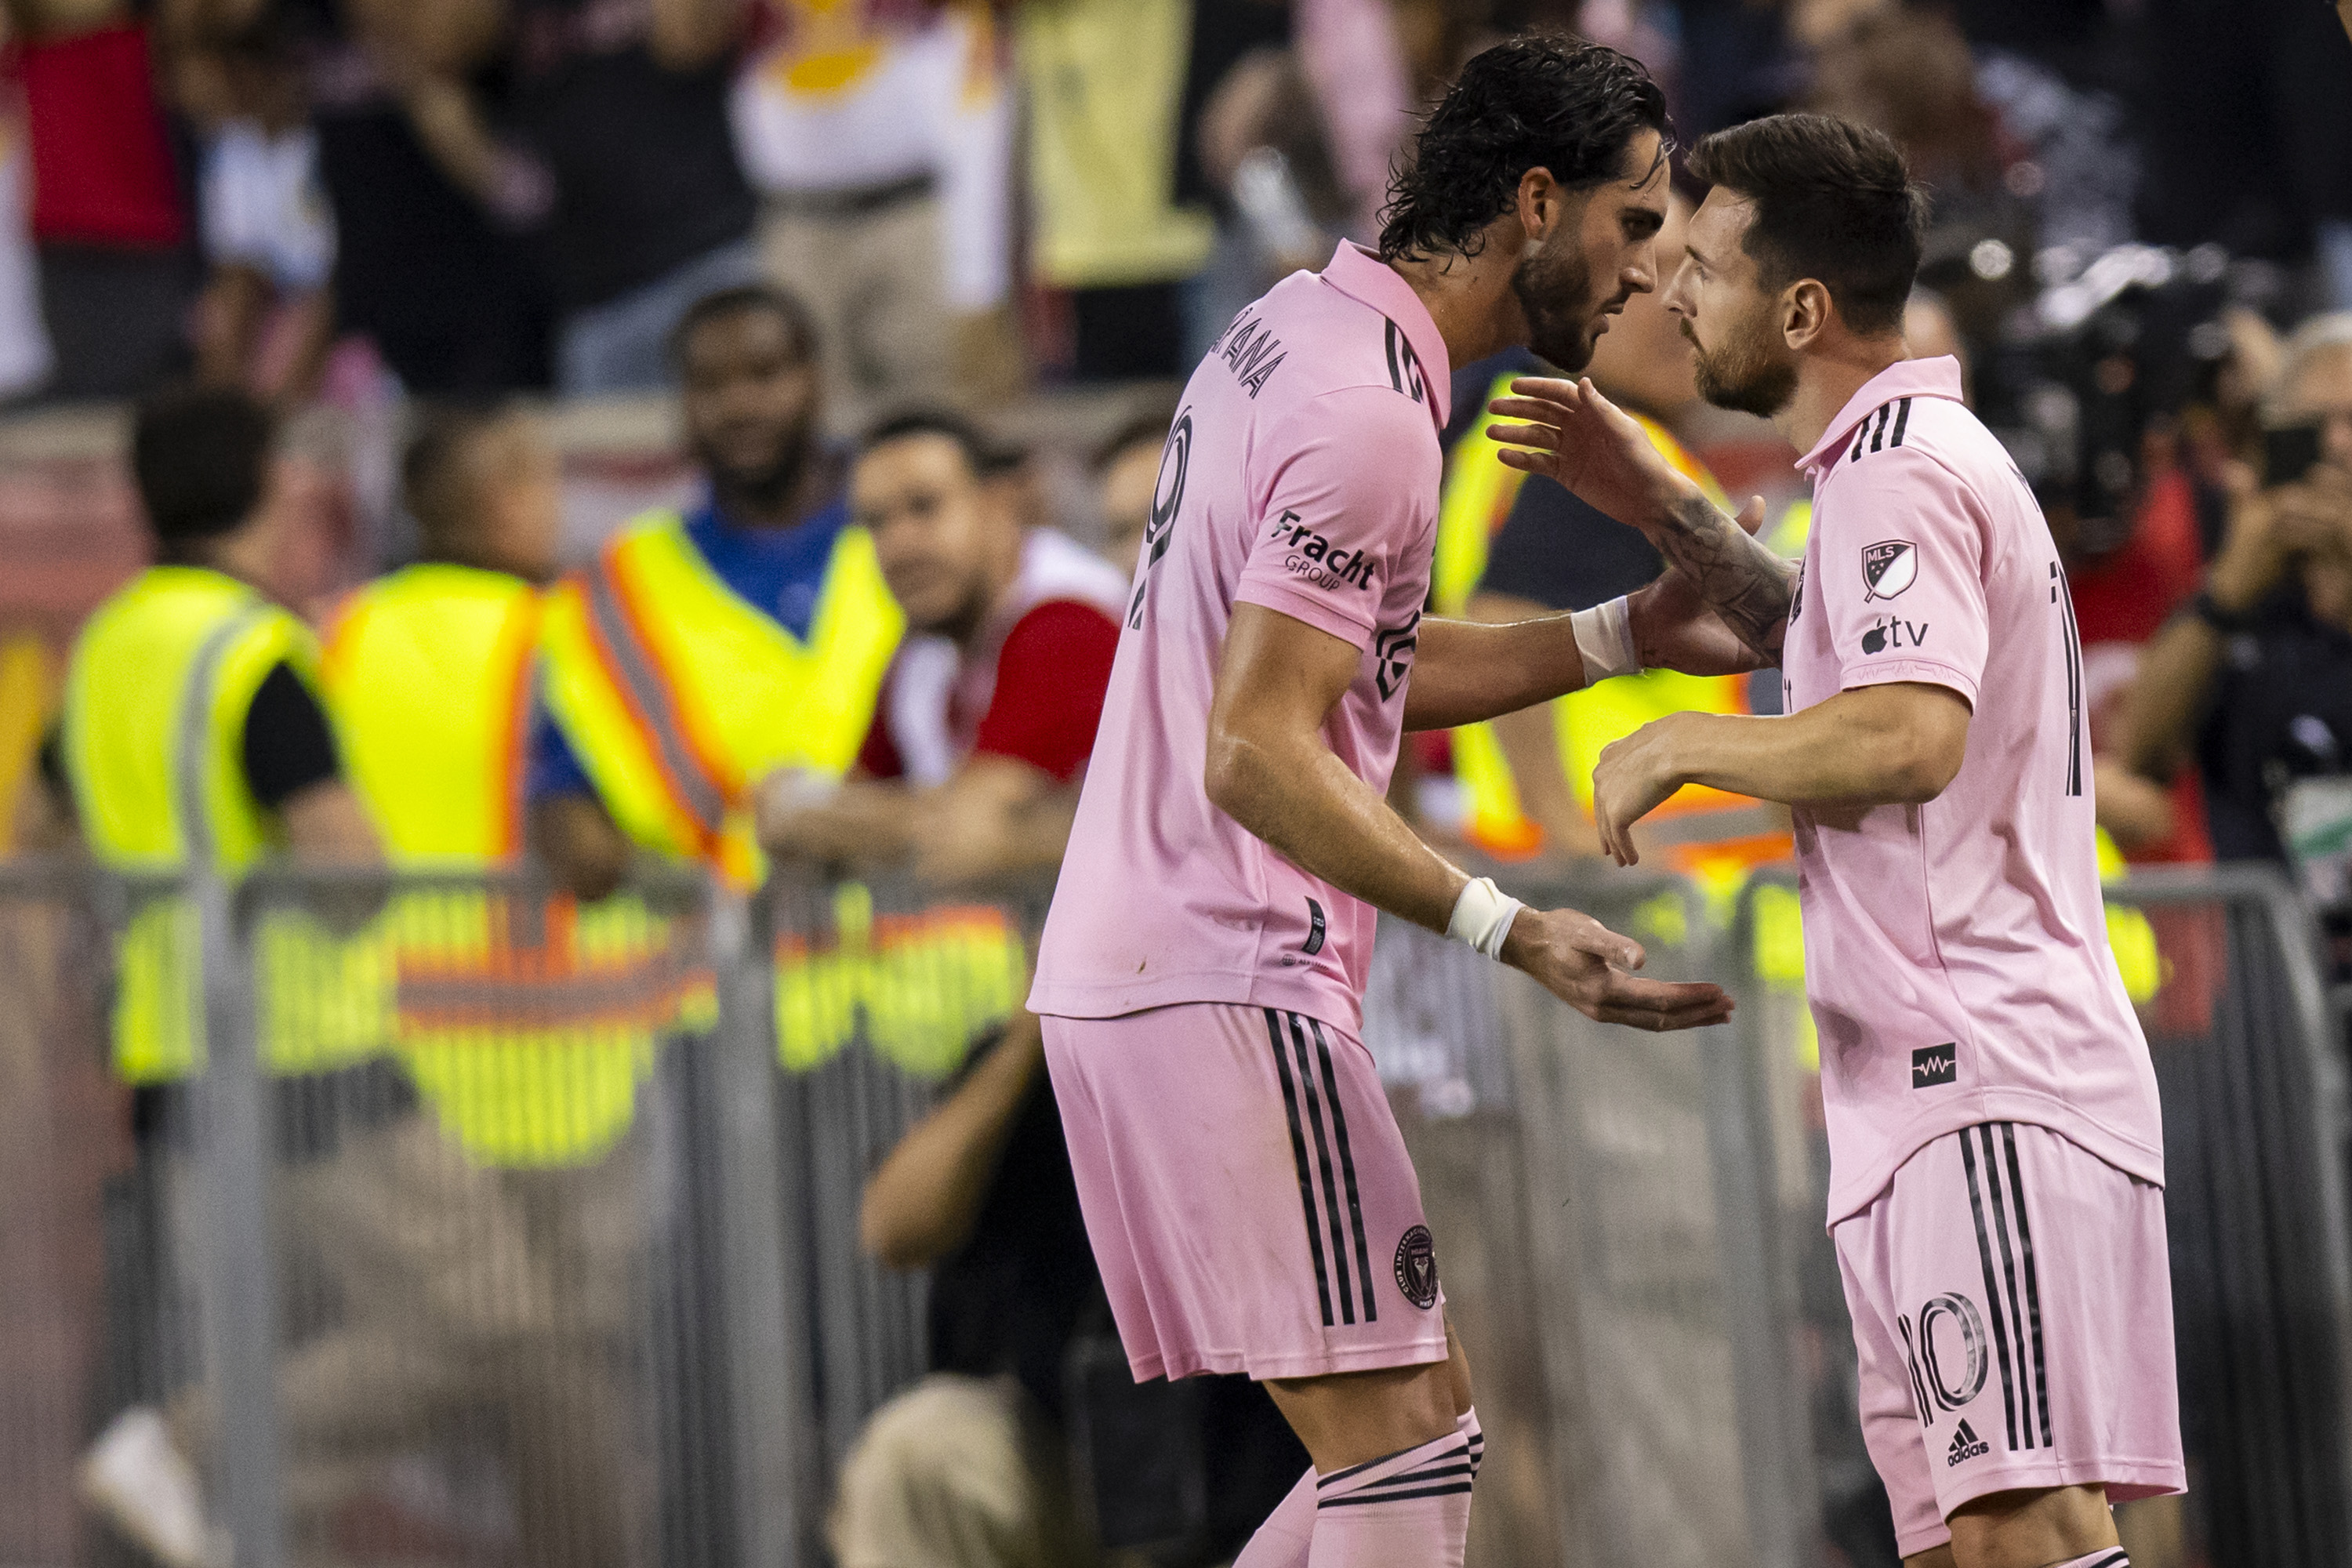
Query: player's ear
x=1542, y=202
x=1805, y=313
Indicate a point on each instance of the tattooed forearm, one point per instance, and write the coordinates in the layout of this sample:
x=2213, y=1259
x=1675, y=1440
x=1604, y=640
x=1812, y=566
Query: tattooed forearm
x=1743, y=582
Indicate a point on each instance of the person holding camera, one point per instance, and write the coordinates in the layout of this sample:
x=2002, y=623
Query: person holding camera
x=2253, y=680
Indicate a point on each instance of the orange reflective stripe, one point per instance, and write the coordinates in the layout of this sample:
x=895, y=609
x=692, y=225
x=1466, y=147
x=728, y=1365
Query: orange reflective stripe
x=616, y=632
x=543, y=984
x=698, y=729
x=517, y=651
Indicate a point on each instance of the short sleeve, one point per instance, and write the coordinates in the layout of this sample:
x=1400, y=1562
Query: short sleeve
x=1902, y=550
x=288, y=746
x=1354, y=471
x=1050, y=679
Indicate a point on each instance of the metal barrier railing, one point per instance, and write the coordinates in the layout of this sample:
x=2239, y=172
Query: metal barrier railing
x=538, y=1224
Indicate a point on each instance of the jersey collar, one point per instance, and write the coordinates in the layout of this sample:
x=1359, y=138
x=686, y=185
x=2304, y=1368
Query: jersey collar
x=1938, y=377
x=1366, y=279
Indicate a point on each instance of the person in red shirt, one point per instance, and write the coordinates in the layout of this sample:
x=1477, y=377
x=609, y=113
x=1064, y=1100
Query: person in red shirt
x=988, y=714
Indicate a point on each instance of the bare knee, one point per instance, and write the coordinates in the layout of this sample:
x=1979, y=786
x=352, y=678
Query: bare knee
x=1347, y=1418
x=2029, y=1529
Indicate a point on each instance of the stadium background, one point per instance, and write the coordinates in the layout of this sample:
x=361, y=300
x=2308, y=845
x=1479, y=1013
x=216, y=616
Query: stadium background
x=1043, y=211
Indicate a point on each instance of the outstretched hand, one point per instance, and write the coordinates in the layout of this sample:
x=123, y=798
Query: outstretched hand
x=1589, y=967
x=1568, y=431
x=1634, y=777
x=1674, y=630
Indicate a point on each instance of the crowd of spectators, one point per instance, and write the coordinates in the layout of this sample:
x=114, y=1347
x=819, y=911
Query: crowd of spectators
x=809, y=218
x=494, y=195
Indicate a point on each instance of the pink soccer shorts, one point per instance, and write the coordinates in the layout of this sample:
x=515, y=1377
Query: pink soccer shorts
x=1247, y=1193
x=2012, y=1308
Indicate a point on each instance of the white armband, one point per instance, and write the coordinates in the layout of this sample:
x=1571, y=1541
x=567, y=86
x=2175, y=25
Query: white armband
x=1483, y=916
x=1604, y=635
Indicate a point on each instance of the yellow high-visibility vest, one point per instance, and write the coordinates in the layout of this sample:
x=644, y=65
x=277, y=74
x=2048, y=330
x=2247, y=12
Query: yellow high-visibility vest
x=1476, y=501
x=679, y=696
x=526, y=1026
x=156, y=696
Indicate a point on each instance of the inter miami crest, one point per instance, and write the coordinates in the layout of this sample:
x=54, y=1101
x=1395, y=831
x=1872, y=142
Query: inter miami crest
x=1416, y=1268
x=1888, y=567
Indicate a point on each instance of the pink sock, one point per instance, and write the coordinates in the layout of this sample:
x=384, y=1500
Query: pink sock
x=2105, y=1557
x=1408, y=1510
x=1282, y=1541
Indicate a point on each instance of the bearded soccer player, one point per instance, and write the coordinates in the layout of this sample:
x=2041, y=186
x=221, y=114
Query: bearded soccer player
x=1245, y=1185
x=1996, y=1158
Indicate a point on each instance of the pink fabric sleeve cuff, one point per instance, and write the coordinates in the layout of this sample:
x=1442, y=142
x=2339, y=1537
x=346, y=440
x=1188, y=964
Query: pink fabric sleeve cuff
x=1924, y=672
x=1306, y=604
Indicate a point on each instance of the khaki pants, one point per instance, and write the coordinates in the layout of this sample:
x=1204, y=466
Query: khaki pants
x=477, y=1307
x=874, y=282
x=957, y=1472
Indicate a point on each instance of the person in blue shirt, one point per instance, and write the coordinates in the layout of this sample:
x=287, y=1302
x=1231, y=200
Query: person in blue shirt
x=774, y=505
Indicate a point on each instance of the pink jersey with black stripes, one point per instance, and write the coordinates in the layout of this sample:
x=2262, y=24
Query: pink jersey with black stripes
x=1955, y=952
x=1301, y=474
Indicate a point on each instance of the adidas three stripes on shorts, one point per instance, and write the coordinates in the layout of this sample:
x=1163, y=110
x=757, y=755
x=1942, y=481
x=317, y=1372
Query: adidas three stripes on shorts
x=2013, y=1311
x=1247, y=1193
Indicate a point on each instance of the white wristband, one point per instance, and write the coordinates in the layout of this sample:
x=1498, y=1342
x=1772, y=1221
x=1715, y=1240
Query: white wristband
x=1483, y=916
x=1604, y=635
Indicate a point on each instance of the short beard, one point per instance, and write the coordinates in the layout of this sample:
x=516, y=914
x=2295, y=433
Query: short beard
x=1541, y=282
x=768, y=491
x=1743, y=374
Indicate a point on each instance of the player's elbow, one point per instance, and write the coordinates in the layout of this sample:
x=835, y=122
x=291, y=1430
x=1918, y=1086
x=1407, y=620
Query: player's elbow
x=1927, y=755
x=1235, y=773
x=1924, y=775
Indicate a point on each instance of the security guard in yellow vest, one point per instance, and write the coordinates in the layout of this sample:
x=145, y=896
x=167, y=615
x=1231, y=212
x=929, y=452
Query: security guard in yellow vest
x=191, y=732
x=528, y=1024
x=705, y=651
x=193, y=737
x=507, y=1288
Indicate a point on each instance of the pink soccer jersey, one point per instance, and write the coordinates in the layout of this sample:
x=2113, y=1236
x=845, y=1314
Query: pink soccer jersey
x=1301, y=474
x=1956, y=953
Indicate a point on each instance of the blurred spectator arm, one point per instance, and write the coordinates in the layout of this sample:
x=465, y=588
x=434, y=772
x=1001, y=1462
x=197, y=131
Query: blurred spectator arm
x=996, y=816
x=921, y=1204
x=586, y=853
x=863, y=822
x=2169, y=693
x=327, y=826
x=413, y=39
x=689, y=35
x=2135, y=811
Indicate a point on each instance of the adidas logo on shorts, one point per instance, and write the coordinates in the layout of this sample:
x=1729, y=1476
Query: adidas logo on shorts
x=1965, y=1445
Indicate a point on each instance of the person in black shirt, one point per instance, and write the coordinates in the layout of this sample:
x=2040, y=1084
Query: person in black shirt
x=2253, y=682
x=969, y=1469
x=625, y=103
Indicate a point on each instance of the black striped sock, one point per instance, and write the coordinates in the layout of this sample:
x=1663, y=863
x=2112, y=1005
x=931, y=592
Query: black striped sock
x=2105, y=1557
x=1467, y=1424
x=1441, y=1467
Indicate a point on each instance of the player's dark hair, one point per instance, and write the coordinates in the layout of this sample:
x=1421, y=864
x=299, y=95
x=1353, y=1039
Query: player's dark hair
x=745, y=299
x=433, y=478
x=199, y=455
x=986, y=456
x=1534, y=102
x=1833, y=201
